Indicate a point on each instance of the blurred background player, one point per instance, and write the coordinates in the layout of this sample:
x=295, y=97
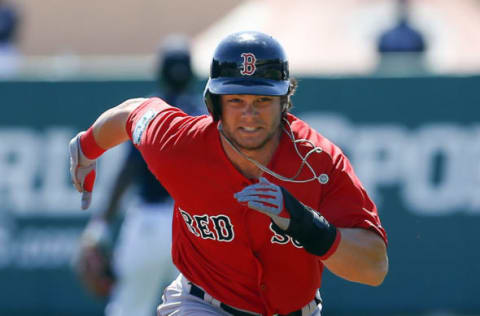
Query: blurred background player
x=402, y=47
x=9, y=23
x=141, y=265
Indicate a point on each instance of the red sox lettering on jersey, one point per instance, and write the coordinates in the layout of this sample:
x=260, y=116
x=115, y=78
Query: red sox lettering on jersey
x=229, y=250
x=199, y=226
x=220, y=228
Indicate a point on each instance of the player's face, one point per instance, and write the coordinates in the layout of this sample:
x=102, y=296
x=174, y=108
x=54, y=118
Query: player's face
x=251, y=121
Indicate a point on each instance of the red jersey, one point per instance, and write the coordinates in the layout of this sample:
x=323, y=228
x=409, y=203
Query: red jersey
x=228, y=249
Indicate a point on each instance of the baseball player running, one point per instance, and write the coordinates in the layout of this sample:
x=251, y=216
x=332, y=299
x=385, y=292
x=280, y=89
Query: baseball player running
x=262, y=201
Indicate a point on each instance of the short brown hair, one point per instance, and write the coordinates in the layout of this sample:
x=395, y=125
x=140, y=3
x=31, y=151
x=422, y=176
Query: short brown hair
x=285, y=100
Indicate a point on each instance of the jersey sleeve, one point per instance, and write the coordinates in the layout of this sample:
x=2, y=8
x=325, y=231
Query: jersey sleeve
x=346, y=202
x=163, y=134
x=149, y=127
x=157, y=124
x=140, y=119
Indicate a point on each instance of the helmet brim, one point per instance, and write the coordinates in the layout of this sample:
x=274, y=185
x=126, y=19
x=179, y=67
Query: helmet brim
x=255, y=86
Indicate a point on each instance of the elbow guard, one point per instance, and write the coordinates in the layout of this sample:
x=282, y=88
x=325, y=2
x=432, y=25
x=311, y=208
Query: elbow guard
x=310, y=229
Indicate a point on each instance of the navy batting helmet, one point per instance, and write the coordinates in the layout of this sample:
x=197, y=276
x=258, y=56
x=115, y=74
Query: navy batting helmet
x=174, y=67
x=247, y=63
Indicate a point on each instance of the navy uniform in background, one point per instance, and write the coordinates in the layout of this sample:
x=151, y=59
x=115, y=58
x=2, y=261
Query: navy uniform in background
x=141, y=261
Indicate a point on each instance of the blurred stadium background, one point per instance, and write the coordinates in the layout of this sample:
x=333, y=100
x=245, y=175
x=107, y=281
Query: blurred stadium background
x=395, y=83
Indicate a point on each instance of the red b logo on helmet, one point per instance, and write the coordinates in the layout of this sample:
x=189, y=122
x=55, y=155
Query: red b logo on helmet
x=248, y=64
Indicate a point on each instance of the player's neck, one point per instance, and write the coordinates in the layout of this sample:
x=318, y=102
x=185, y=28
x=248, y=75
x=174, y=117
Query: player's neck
x=262, y=155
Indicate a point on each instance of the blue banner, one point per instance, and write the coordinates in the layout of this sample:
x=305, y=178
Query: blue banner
x=414, y=143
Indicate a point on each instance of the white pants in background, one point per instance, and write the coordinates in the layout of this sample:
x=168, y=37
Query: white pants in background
x=142, y=260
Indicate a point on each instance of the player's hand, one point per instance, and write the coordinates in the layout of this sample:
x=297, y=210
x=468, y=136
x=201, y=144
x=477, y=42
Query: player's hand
x=264, y=197
x=82, y=171
x=305, y=225
x=93, y=261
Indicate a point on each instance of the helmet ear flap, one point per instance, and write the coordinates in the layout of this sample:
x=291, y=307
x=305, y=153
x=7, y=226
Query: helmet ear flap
x=212, y=103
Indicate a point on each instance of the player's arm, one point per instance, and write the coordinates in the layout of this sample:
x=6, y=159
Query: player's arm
x=108, y=131
x=355, y=254
x=361, y=256
x=125, y=178
x=93, y=262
